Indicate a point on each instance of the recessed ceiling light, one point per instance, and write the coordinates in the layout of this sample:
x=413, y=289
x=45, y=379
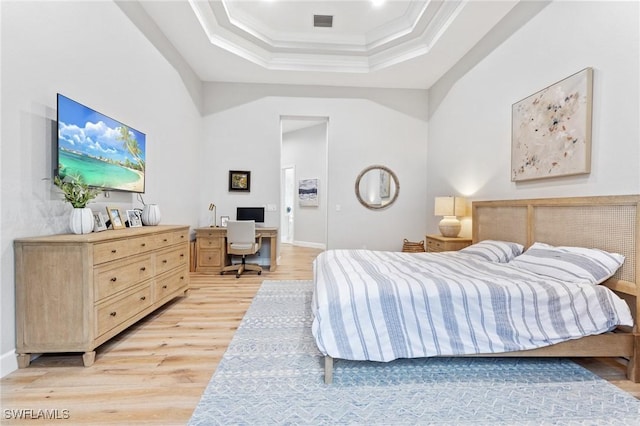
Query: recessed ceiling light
x=378, y=3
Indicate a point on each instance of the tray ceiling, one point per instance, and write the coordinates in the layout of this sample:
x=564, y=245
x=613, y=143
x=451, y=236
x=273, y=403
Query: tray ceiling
x=392, y=43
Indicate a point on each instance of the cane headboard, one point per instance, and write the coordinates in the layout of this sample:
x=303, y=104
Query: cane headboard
x=609, y=223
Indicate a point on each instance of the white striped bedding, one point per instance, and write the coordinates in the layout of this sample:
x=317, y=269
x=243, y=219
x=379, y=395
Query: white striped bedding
x=380, y=306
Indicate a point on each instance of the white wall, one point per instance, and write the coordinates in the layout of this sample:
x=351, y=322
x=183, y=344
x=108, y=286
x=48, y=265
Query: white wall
x=470, y=127
x=91, y=52
x=362, y=132
x=306, y=151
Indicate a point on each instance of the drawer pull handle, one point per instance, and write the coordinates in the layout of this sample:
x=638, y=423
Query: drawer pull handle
x=143, y=244
x=182, y=236
x=164, y=286
x=114, y=279
x=113, y=314
x=181, y=254
x=113, y=251
x=165, y=240
x=182, y=278
x=164, y=261
x=144, y=268
x=143, y=298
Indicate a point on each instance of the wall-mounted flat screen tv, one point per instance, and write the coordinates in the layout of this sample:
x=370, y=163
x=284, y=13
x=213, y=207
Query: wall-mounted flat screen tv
x=103, y=152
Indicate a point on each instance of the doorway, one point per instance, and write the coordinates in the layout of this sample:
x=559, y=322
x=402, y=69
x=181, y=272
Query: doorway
x=304, y=153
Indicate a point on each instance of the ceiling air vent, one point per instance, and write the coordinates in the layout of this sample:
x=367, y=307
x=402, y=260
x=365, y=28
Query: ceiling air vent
x=325, y=21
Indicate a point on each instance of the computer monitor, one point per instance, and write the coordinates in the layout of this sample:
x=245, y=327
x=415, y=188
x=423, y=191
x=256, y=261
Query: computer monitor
x=250, y=213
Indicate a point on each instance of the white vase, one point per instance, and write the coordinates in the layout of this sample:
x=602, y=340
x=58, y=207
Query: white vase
x=81, y=221
x=151, y=215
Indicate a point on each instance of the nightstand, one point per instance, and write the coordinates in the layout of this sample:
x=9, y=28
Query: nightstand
x=437, y=243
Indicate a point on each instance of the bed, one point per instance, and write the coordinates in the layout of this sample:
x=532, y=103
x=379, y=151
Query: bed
x=380, y=306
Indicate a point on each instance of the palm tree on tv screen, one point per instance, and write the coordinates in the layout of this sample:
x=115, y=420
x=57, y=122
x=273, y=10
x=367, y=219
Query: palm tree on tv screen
x=131, y=144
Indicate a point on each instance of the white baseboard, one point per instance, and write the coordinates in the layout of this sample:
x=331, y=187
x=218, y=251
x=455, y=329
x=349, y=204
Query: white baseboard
x=8, y=363
x=310, y=245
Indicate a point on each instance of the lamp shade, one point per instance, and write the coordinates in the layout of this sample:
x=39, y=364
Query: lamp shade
x=450, y=206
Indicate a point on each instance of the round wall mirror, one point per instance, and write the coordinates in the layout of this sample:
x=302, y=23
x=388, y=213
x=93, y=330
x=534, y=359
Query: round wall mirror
x=377, y=187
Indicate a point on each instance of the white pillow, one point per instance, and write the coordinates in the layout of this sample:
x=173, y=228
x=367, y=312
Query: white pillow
x=494, y=251
x=569, y=264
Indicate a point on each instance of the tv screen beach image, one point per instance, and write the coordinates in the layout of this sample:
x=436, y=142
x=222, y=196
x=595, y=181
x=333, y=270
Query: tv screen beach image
x=103, y=152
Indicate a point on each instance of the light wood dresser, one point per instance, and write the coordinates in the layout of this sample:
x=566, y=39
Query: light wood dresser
x=74, y=292
x=438, y=243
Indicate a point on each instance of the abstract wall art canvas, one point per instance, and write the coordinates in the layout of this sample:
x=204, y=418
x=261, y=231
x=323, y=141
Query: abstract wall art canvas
x=308, y=192
x=551, y=130
x=239, y=180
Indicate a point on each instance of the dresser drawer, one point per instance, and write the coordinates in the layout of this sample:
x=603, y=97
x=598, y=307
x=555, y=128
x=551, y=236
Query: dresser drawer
x=112, y=314
x=209, y=242
x=439, y=243
x=111, y=278
x=118, y=249
x=209, y=258
x=171, y=258
x=435, y=245
x=170, y=238
x=168, y=284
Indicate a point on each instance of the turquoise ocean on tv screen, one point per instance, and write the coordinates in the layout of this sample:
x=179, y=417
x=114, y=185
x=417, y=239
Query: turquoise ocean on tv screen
x=99, y=173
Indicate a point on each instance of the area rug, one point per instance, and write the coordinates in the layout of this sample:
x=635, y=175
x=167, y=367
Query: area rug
x=272, y=374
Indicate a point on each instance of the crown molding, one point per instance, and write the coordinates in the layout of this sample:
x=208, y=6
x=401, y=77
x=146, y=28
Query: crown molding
x=411, y=35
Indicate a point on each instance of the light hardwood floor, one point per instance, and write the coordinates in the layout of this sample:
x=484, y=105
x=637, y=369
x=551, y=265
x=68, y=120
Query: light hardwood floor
x=155, y=372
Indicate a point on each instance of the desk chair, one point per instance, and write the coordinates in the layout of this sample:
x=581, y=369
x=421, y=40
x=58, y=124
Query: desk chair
x=242, y=240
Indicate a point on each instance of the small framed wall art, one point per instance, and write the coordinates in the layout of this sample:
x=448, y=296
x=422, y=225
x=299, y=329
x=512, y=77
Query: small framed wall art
x=223, y=221
x=551, y=130
x=239, y=180
x=308, y=192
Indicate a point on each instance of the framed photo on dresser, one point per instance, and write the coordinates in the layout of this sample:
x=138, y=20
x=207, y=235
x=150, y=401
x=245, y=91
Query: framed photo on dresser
x=116, y=218
x=134, y=217
x=100, y=224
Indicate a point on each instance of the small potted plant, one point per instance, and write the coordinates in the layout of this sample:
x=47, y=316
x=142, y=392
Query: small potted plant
x=78, y=194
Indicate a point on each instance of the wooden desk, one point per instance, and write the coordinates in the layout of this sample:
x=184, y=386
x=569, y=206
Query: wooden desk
x=211, y=248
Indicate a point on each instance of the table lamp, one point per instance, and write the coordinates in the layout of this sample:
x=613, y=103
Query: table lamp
x=450, y=207
x=212, y=220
